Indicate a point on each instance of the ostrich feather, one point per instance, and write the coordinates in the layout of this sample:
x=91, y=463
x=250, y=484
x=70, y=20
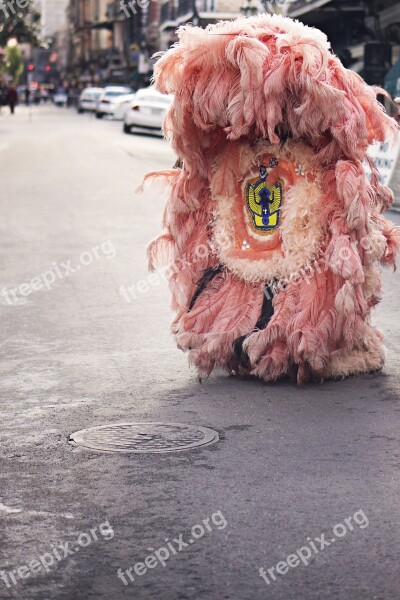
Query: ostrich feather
x=268, y=86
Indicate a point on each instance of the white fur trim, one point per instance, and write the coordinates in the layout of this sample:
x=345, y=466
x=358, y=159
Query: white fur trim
x=300, y=230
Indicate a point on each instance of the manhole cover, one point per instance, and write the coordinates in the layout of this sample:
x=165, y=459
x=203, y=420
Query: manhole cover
x=144, y=437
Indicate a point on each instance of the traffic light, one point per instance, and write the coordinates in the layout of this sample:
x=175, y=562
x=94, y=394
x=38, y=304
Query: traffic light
x=31, y=67
x=47, y=68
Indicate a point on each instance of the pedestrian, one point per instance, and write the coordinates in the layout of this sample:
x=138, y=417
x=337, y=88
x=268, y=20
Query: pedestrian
x=12, y=98
x=3, y=95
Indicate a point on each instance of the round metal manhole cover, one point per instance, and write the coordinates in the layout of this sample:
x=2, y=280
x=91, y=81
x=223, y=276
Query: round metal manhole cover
x=144, y=437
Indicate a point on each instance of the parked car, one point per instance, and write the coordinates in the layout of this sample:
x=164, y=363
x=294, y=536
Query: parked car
x=89, y=98
x=107, y=102
x=123, y=103
x=147, y=111
x=60, y=98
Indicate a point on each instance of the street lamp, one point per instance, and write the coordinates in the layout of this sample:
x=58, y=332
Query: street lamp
x=250, y=9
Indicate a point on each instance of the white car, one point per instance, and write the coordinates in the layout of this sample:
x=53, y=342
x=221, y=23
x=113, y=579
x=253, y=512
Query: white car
x=147, y=111
x=60, y=98
x=89, y=98
x=107, y=102
x=122, y=104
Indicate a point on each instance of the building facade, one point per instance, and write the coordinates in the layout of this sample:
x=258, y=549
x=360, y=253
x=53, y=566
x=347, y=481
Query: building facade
x=174, y=13
x=53, y=16
x=364, y=34
x=114, y=40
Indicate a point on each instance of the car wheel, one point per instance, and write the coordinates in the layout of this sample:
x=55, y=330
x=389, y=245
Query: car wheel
x=127, y=129
x=80, y=110
x=99, y=115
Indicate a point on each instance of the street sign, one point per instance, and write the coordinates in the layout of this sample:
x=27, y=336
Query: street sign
x=385, y=157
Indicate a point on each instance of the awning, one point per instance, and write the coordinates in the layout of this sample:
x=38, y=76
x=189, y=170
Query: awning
x=218, y=16
x=103, y=25
x=176, y=22
x=300, y=7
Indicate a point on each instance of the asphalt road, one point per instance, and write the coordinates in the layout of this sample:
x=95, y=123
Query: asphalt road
x=291, y=464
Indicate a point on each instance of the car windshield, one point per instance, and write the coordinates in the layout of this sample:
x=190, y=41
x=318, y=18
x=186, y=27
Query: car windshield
x=116, y=93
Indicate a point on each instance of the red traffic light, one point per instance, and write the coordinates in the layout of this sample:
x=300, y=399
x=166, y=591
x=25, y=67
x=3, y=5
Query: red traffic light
x=31, y=67
x=47, y=68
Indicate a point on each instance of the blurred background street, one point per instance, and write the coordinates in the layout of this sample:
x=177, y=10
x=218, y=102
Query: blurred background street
x=86, y=340
x=77, y=353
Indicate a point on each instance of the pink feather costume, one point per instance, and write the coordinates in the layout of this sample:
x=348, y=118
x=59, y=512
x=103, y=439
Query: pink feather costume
x=272, y=232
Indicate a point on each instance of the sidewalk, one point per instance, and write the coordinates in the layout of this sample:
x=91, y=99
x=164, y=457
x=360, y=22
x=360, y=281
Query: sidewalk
x=395, y=185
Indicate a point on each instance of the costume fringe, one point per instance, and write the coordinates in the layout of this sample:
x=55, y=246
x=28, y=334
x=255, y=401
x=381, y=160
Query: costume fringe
x=241, y=87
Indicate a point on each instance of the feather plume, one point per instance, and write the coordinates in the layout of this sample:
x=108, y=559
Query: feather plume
x=244, y=89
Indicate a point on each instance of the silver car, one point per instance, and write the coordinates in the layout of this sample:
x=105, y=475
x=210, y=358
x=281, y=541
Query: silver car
x=147, y=111
x=89, y=98
x=108, y=100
